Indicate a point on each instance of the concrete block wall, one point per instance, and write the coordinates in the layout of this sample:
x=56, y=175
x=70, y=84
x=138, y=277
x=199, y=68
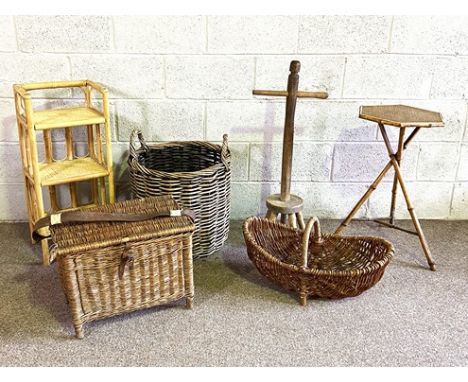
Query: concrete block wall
x=191, y=78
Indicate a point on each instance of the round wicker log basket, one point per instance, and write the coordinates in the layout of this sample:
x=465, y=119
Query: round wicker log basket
x=196, y=174
x=328, y=266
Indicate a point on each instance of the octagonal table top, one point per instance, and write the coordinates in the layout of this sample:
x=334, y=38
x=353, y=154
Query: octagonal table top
x=401, y=116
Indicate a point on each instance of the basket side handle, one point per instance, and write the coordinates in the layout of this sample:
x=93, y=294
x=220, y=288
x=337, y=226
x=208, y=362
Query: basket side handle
x=133, y=149
x=225, y=153
x=313, y=222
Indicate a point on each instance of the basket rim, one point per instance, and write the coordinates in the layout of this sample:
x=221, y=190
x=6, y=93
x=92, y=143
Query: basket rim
x=314, y=271
x=135, y=164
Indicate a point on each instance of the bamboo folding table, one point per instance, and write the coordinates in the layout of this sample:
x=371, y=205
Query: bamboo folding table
x=94, y=167
x=403, y=117
x=286, y=205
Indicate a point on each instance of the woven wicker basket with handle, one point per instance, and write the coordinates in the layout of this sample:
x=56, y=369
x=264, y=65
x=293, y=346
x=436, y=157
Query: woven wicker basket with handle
x=329, y=266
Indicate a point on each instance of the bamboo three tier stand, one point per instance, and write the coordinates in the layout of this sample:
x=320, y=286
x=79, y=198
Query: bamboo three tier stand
x=288, y=207
x=95, y=167
x=403, y=117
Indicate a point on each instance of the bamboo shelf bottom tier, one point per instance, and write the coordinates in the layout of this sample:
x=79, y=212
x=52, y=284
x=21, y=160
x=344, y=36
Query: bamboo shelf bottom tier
x=67, y=171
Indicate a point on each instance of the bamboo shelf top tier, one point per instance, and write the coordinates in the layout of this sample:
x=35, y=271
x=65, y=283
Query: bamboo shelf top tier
x=63, y=117
x=67, y=117
x=401, y=116
x=66, y=171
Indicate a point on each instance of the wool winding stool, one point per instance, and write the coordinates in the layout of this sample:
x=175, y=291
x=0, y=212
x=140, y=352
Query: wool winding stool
x=286, y=205
x=403, y=117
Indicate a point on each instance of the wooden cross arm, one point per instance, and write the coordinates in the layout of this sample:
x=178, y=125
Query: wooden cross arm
x=284, y=93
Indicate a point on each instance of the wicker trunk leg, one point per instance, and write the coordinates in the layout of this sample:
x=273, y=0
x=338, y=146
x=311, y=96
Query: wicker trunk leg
x=79, y=332
x=189, y=302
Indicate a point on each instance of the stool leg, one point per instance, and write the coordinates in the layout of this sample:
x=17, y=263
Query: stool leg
x=271, y=215
x=366, y=196
x=300, y=220
x=283, y=218
x=292, y=220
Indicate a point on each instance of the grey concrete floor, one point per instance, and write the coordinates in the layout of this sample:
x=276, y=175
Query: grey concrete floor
x=413, y=317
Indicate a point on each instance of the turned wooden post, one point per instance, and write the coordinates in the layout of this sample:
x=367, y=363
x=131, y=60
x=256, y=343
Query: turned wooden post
x=288, y=137
x=286, y=205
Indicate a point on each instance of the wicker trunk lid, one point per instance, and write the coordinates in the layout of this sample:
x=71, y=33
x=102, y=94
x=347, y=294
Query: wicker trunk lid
x=73, y=237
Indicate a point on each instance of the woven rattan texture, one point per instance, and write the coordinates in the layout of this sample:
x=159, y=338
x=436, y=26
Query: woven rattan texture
x=402, y=115
x=342, y=266
x=197, y=175
x=102, y=277
x=70, y=237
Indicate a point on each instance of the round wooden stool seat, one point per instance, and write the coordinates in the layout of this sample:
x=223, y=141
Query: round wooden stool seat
x=291, y=206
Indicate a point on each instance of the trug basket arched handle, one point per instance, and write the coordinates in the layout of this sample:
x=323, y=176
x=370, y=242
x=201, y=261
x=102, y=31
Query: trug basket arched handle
x=313, y=222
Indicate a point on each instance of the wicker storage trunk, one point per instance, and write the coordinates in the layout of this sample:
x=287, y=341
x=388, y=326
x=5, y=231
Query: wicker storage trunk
x=196, y=174
x=109, y=268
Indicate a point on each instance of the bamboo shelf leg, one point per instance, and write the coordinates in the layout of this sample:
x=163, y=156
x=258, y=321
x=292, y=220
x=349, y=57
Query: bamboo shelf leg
x=25, y=154
x=92, y=154
x=71, y=186
x=91, y=145
x=108, y=139
x=49, y=158
x=37, y=184
x=100, y=156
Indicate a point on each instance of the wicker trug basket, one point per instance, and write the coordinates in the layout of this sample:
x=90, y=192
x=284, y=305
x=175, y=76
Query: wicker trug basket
x=196, y=174
x=328, y=266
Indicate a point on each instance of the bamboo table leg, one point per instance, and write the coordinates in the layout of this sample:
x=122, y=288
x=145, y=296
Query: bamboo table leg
x=395, y=178
x=394, y=162
x=366, y=196
x=409, y=205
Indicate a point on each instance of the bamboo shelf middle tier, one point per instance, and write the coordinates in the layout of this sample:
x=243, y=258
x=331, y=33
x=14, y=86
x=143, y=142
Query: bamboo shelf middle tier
x=67, y=117
x=67, y=171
